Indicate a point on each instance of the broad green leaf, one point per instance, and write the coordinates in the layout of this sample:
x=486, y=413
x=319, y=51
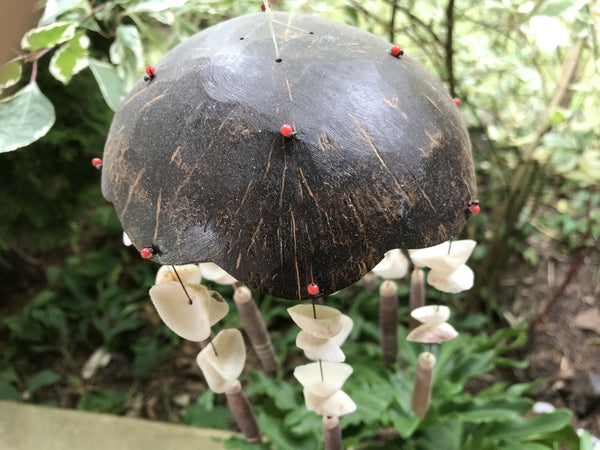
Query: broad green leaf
x=70, y=59
x=544, y=423
x=10, y=73
x=48, y=36
x=41, y=379
x=24, y=118
x=109, y=82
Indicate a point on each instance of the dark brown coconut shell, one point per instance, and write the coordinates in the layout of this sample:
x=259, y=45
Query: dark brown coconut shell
x=196, y=165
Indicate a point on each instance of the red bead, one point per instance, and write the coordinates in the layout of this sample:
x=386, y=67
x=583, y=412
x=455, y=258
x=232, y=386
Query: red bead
x=147, y=252
x=97, y=163
x=150, y=71
x=475, y=209
x=264, y=8
x=312, y=289
x=287, y=130
x=456, y=101
x=396, y=51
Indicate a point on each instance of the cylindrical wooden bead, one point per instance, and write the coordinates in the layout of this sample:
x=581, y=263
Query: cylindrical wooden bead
x=417, y=294
x=332, y=433
x=388, y=320
x=422, y=388
x=242, y=413
x=255, y=328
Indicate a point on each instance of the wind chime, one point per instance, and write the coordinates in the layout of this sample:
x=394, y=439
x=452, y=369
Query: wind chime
x=293, y=152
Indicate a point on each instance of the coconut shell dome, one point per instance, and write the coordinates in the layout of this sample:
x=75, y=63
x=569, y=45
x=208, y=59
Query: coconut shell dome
x=196, y=164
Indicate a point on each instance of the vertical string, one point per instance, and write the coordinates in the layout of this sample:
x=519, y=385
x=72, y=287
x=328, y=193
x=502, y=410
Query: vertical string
x=315, y=316
x=270, y=20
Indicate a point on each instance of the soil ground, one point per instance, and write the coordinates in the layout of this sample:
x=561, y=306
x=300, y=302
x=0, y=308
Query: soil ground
x=564, y=347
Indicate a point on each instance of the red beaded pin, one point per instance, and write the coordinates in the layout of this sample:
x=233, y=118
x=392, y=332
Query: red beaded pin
x=396, y=51
x=474, y=207
x=287, y=130
x=150, y=73
x=147, y=252
x=264, y=8
x=312, y=289
x=456, y=101
x=97, y=163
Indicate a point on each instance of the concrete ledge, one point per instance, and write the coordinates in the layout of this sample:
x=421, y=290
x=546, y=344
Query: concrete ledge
x=28, y=427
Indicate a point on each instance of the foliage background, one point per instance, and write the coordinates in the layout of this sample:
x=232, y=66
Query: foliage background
x=526, y=73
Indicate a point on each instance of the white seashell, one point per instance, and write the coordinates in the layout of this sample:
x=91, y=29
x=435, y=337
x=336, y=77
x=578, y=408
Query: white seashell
x=338, y=404
x=213, y=378
x=431, y=314
x=326, y=325
x=347, y=325
x=316, y=348
x=190, y=321
x=212, y=272
x=97, y=360
x=126, y=240
x=460, y=280
x=230, y=355
x=437, y=257
x=189, y=274
x=394, y=265
x=334, y=377
x=432, y=333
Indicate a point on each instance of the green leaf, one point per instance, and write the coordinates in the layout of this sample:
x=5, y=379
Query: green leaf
x=109, y=82
x=24, y=118
x=586, y=441
x=555, y=8
x=108, y=401
x=48, y=35
x=41, y=379
x=8, y=391
x=200, y=416
x=537, y=425
x=558, y=116
x=10, y=73
x=127, y=54
x=55, y=8
x=155, y=5
x=284, y=395
x=70, y=59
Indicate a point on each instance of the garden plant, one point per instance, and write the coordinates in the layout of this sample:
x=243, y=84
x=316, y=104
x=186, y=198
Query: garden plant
x=526, y=99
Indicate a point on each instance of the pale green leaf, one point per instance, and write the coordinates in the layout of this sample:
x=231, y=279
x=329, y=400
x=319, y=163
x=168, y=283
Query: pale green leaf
x=155, y=5
x=166, y=17
x=55, y=8
x=70, y=59
x=127, y=41
x=48, y=35
x=24, y=118
x=10, y=73
x=109, y=83
x=126, y=53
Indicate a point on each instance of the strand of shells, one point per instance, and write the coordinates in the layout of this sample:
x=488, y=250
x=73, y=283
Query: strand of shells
x=448, y=271
x=323, y=331
x=189, y=309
